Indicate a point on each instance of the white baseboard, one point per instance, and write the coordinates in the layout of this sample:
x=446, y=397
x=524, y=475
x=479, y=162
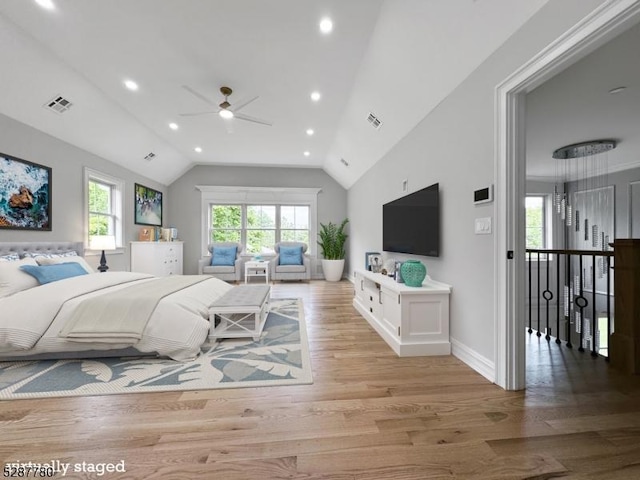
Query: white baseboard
x=479, y=363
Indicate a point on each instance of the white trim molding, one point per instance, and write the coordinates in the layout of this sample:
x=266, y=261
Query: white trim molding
x=479, y=363
x=117, y=205
x=597, y=28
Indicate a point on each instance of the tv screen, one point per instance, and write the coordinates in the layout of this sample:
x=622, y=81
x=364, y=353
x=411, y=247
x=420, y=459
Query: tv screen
x=411, y=224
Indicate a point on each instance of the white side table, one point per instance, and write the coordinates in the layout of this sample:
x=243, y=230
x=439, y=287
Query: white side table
x=256, y=268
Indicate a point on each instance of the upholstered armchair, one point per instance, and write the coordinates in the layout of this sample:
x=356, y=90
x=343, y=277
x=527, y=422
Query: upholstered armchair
x=291, y=262
x=224, y=266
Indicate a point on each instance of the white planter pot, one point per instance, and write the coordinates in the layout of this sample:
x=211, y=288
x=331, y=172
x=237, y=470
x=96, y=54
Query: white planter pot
x=332, y=269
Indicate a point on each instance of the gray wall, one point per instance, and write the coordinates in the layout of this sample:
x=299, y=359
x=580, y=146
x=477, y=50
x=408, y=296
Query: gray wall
x=454, y=145
x=186, y=205
x=67, y=163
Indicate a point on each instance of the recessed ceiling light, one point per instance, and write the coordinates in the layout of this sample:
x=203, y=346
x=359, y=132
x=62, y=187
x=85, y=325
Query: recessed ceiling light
x=617, y=90
x=315, y=96
x=310, y=131
x=47, y=4
x=224, y=113
x=306, y=153
x=198, y=149
x=173, y=126
x=326, y=25
x=131, y=85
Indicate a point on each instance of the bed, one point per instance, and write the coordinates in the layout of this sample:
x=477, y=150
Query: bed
x=76, y=312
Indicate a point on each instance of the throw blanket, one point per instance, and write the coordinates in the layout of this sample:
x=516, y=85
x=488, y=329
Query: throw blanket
x=122, y=316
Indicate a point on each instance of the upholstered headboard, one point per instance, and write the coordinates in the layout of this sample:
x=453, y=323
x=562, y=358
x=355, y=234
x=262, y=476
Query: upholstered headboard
x=41, y=247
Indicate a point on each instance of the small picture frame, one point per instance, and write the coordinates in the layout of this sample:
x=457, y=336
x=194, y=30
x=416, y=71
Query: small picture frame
x=148, y=206
x=367, y=265
x=375, y=262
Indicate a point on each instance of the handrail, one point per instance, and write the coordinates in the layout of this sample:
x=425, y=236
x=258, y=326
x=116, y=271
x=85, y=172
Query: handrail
x=601, y=253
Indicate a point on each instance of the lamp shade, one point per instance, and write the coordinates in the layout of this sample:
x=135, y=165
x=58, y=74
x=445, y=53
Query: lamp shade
x=102, y=242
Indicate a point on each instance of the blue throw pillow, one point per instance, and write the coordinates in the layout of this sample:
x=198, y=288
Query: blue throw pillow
x=51, y=273
x=291, y=255
x=223, y=256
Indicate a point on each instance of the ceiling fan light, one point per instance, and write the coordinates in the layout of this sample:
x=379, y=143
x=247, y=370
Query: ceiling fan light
x=226, y=114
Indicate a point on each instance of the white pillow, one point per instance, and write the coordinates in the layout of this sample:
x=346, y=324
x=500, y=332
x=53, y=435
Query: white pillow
x=11, y=257
x=71, y=253
x=13, y=280
x=56, y=260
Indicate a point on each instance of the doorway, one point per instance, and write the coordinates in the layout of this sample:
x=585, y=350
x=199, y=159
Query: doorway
x=603, y=24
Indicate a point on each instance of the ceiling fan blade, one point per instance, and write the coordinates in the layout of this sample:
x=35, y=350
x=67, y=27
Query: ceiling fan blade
x=241, y=116
x=195, y=114
x=238, y=106
x=199, y=95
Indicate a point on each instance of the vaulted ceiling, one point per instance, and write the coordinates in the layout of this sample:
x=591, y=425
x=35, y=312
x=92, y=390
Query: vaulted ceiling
x=395, y=59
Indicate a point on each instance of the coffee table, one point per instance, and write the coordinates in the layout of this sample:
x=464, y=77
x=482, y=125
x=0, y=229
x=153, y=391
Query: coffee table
x=241, y=312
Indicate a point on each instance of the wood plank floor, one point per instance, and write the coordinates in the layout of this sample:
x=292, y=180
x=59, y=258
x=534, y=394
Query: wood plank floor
x=368, y=415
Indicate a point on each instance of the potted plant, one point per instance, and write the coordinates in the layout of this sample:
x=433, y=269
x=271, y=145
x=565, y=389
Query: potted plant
x=332, y=240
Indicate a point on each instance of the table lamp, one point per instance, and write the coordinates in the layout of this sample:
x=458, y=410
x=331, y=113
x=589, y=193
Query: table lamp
x=102, y=242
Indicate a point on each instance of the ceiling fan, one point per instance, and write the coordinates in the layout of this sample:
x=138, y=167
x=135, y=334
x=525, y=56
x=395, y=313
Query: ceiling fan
x=224, y=109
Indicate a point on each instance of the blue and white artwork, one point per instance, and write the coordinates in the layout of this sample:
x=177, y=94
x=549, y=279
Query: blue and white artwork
x=25, y=194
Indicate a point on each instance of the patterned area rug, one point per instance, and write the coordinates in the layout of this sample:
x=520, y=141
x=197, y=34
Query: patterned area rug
x=280, y=357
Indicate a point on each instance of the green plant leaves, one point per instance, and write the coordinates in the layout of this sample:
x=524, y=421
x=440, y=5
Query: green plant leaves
x=332, y=239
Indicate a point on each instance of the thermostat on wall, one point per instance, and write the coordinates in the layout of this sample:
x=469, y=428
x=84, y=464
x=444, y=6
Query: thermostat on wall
x=483, y=195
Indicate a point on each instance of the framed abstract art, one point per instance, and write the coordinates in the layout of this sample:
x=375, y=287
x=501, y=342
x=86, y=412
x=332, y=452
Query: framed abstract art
x=25, y=194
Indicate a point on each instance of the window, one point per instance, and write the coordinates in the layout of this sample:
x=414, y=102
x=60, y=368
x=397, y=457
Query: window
x=103, y=205
x=259, y=227
x=535, y=222
x=226, y=223
x=258, y=217
x=294, y=223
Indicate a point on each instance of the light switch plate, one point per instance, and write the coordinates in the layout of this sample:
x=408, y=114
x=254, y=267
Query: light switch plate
x=483, y=226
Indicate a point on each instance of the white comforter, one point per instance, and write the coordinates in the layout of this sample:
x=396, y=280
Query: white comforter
x=31, y=320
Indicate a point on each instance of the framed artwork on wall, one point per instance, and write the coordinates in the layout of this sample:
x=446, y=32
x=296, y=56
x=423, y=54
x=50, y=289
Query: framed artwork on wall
x=25, y=194
x=148, y=206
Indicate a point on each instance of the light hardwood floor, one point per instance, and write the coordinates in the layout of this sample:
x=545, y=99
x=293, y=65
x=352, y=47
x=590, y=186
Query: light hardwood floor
x=368, y=415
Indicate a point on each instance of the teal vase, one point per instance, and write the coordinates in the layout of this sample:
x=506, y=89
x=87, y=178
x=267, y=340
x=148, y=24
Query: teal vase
x=413, y=273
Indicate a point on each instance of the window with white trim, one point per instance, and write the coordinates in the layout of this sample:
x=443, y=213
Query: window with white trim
x=535, y=222
x=103, y=205
x=259, y=227
x=258, y=217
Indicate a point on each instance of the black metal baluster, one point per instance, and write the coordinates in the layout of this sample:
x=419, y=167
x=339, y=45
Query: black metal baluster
x=594, y=320
x=608, y=268
x=548, y=296
x=538, y=332
x=558, y=299
x=581, y=302
x=530, y=295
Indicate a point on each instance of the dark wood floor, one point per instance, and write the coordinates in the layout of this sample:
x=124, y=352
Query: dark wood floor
x=368, y=415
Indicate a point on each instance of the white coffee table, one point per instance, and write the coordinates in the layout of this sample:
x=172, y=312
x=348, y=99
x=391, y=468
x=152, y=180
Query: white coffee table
x=241, y=312
x=256, y=268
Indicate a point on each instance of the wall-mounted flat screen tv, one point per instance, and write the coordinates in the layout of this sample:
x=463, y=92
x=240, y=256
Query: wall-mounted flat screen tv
x=411, y=224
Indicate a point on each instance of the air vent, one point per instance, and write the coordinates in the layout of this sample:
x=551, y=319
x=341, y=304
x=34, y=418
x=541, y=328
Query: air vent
x=374, y=121
x=58, y=104
x=149, y=156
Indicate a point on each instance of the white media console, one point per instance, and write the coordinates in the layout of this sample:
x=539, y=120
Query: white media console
x=414, y=321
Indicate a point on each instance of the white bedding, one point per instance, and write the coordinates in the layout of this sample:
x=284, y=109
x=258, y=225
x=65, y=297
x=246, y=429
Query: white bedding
x=31, y=320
